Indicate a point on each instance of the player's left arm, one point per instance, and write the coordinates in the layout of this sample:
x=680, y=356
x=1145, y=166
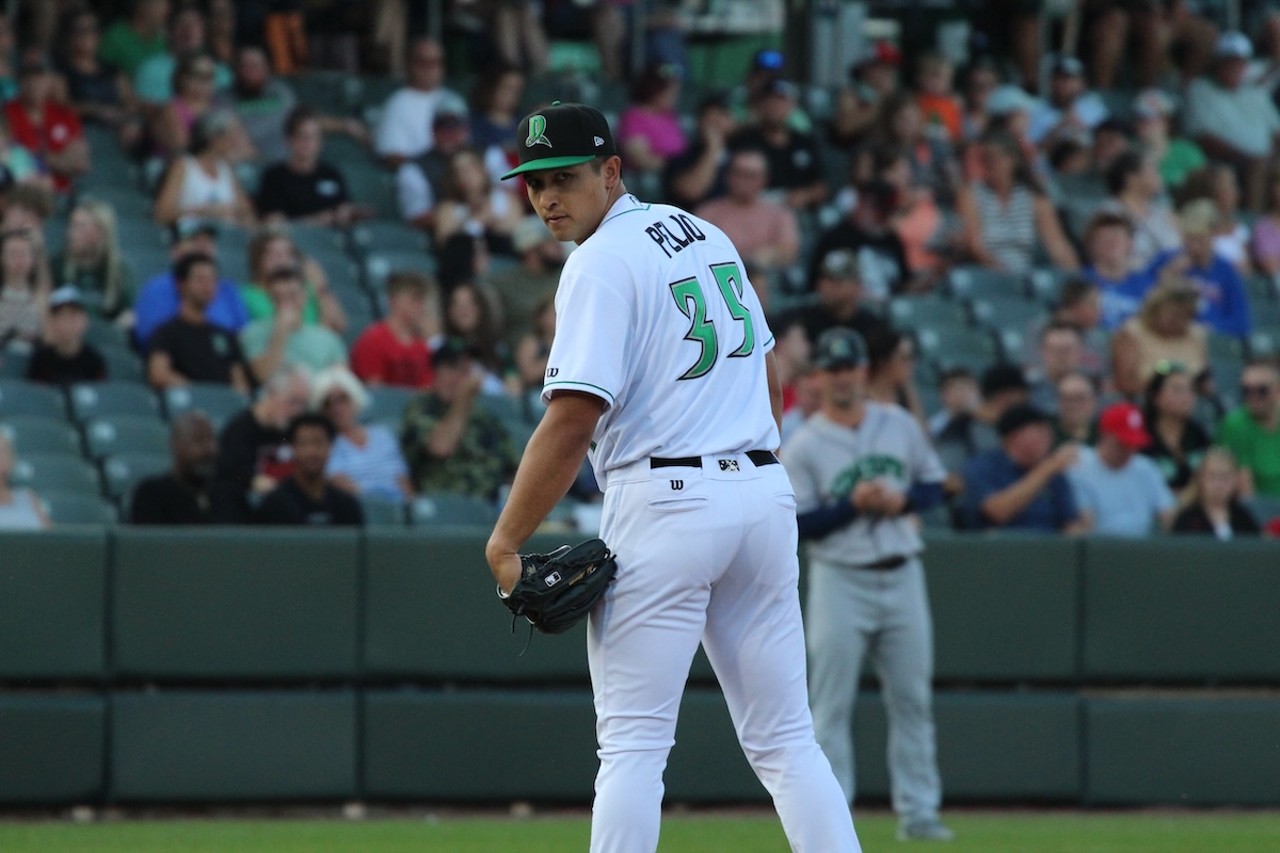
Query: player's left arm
x=550, y=464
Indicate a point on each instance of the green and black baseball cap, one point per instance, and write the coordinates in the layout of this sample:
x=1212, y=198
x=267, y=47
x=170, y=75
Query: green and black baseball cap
x=562, y=135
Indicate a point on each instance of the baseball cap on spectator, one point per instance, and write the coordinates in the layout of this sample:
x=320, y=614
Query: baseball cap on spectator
x=1199, y=217
x=1009, y=99
x=1068, y=66
x=1002, y=377
x=839, y=347
x=449, y=116
x=1124, y=422
x=452, y=351
x=1016, y=417
x=187, y=227
x=66, y=295
x=768, y=59
x=1152, y=103
x=839, y=264
x=529, y=233
x=1233, y=45
x=885, y=53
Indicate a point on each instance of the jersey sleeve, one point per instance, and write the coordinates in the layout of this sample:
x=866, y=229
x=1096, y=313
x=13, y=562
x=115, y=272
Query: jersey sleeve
x=594, y=323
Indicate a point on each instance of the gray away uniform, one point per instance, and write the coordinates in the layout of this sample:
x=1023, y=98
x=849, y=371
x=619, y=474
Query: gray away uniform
x=855, y=609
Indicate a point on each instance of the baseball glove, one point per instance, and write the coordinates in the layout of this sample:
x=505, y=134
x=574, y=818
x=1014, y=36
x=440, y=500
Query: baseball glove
x=556, y=590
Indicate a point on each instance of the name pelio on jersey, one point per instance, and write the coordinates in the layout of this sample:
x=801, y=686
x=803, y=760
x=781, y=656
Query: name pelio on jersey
x=650, y=305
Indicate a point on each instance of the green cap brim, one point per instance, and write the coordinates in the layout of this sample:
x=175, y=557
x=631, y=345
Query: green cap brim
x=549, y=163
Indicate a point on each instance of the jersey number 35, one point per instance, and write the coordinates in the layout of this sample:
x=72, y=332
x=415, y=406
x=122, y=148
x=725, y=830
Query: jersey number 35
x=693, y=304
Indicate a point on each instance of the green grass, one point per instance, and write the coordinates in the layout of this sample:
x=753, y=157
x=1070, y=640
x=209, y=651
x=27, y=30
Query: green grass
x=1021, y=832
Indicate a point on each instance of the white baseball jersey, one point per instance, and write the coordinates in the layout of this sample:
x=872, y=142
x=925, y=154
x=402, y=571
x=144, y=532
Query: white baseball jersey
x=650, y=305
x=825, y=460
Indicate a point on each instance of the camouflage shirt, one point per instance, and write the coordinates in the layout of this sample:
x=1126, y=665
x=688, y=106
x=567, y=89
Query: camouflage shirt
x=484, y=459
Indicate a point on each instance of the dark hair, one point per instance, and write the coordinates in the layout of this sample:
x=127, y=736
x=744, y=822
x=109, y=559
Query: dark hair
x=298, y=116
x=653, y=81
x=1107, y=219
x=409, y=281
x=894, y=104
x=1118, y=173
x=1060, y=326
x=1156, y=384
x=186, y=64
x=881, y=347
x=309, y=419
x=24, y=234
x=207, y=128
x=951, y=374
x=1002, y=377
x=183, y=266
x=1075, y=291
x=487, y=86
x=1006, y=142
x=885, y=155
x=449, y=188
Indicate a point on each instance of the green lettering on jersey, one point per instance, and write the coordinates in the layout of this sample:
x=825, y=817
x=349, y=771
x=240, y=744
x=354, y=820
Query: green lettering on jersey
x=688, y=295
x=729, y=278
x=867, y=468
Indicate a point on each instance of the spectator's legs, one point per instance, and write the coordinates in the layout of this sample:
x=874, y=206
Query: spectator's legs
x=609, y=29
x=1108, y=34
x=389, y=25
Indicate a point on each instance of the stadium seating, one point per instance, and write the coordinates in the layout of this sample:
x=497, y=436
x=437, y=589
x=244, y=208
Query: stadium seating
x=386, y=403
x=94, y=399
x=106, y=435
x=121, y=472
x=18, y=397
x=76, y=507
x=444, y=508
x=55, y=472
x=219, y=402
x=38, y=434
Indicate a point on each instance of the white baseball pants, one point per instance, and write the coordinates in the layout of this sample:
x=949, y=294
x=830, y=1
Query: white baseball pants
x=705, y=555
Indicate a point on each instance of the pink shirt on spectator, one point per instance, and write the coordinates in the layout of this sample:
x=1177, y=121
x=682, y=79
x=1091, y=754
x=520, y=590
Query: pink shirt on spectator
x=753, y=227
x=1266, y=239
x=661, y=130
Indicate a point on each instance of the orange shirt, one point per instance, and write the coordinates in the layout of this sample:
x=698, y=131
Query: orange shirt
x=942, y=108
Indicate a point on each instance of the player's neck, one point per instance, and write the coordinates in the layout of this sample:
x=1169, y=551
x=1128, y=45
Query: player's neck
x=850, y=416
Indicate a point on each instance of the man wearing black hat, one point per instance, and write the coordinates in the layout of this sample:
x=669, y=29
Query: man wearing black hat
x=837, y=283
x=1022, y=485
x=861, y=469
x=662, y=369
x=62, y=356
x=971, y=433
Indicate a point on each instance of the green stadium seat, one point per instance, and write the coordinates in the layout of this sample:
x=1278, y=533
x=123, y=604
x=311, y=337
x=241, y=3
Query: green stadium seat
x=219, y=402
x=109, y=434
x=1046, y=283
x=386, y=403
x=139, y=234
x=371, y=185
x=918, y=312
x=1260, y=289
x=969, y=282
x=1225, y=348
x=380, y=235
x=444, y=508
x=121, y=472
x=380, y=512
x=35, y=434
x=53, y=472
x=1264, y=344
x=380, y=264
x=13, y=364
x=18, y=397
x=1011, y=311
x=104, y=333
x=95, y=399
x=958, y=347
x=123, y=364
x=78, y=508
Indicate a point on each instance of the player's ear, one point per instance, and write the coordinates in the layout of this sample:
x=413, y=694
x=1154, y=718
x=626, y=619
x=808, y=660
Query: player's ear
x=612, y=168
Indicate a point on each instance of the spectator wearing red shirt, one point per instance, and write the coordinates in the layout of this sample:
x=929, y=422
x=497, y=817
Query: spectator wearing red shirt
x=397, y=351
x=50, y=131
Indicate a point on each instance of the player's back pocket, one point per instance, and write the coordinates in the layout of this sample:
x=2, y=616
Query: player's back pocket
x=677, y=494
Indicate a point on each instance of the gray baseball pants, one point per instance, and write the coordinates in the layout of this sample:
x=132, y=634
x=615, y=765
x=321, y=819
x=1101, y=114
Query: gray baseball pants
x=854, y=613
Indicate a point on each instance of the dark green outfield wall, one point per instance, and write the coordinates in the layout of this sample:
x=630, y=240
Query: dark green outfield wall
x=194, y=665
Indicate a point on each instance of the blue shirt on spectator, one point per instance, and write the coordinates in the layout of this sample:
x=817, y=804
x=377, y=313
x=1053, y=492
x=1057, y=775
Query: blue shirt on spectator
x=1052, y=509
x=1121, y=299
x=158, y=302
x=1123, y=502
x=1224, y=307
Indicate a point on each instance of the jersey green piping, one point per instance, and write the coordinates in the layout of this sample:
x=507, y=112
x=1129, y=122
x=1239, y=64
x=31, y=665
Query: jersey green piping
x=585, y=384
x=625, y=212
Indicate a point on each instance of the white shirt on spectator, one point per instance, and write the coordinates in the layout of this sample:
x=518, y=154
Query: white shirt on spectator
x=414, y=192
x=199, y=189
x=404, y=129
x=1245, y=118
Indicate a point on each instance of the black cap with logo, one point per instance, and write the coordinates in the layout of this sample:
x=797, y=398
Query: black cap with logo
x=561, y=135
x=839, y=347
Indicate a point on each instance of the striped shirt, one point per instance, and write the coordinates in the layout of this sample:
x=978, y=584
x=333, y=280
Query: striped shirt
x=1008, y=229
x=375, y=467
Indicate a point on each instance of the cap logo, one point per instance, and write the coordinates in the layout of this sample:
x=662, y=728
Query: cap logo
x=537, y=132
x=598, y=141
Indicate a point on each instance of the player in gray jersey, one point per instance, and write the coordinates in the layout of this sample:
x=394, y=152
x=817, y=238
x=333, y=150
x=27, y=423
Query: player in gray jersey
x=860, y=469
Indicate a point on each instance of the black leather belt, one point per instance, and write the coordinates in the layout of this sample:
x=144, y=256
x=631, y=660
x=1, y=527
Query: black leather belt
x=886, y=563
x=759, y=458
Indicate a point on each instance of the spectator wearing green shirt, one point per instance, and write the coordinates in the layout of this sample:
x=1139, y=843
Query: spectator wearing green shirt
x=1252, y=431
x=285, y=340
x=1176, y=156
x=272, y=248
x=153, y=79
x=128, y=43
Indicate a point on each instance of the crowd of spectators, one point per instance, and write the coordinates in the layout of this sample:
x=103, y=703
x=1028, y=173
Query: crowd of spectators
x=1075, y=291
